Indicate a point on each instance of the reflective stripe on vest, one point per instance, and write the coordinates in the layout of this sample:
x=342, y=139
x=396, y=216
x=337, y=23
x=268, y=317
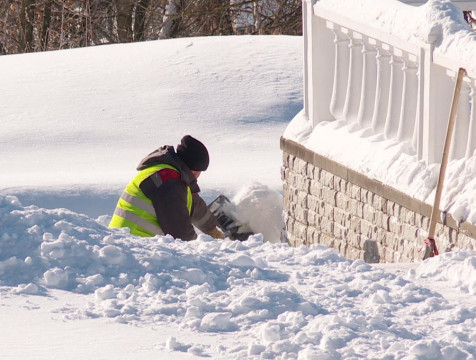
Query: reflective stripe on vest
x=139, y=221
x=135, y=210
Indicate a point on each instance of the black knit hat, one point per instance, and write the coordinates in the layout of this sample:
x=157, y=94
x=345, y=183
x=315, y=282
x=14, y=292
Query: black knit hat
x=193, y=153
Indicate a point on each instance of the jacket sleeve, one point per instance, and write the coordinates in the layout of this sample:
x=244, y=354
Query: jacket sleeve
x=170, y=204
x=202, y=217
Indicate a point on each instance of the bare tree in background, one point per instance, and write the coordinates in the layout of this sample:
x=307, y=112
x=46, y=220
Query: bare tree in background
x=40, y=25
x=470, y=17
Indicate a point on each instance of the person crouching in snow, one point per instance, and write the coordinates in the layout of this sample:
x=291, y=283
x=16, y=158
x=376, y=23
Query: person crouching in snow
x=163, y=197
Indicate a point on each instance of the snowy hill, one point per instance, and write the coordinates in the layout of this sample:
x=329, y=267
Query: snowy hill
x=75, y=124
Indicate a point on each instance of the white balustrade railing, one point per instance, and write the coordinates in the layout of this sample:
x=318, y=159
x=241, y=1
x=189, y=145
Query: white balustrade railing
x=374, y=80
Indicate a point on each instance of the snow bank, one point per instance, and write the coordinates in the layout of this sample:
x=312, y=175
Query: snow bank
x=457, y=268
x=261, y=209
x=294, y=303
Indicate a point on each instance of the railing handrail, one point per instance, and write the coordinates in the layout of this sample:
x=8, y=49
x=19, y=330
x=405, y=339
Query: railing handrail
x=465, y=5
x=369, y=31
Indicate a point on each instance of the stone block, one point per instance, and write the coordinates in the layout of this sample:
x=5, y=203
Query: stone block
x=300, y=214
x=312, y=235
x=327, y=227
x=354, y=240
x=340, y=232
x=301, y=199
x=392, y=241
x=382, y=236
x=300, y=182
x=410, y=217
x=355, y=225
x=339, y=184
x=391, y=256
x=327, y=179
x=313, y=203
x=313, y=219
x=354, y=254
x=368, y=229
x=355, y=208
x=315, y=188
x=378, y=216
x=390, y=208
x=409, y=231
x=341, y=200
x=368, y=212
x=394, y=225
x=468, y=229
x=328, y=211
x=300, y=231
x=310, y=171
x=341, y=217
x=379, y=203
x=300, y=167
x=364, y=196
x=327, y=240
x=286, y=157
x=355, y=192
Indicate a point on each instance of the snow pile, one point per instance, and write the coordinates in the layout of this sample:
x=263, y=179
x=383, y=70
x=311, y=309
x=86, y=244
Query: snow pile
x=261, y=209
x=282, y=302
x=458, y=268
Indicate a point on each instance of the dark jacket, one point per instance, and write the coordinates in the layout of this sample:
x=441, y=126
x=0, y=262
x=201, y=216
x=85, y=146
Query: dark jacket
x=170, y=198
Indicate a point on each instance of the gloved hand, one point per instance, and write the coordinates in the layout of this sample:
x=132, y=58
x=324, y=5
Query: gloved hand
x=216, y=233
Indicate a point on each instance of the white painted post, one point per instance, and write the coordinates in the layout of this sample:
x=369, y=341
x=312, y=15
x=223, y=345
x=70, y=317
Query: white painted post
x=307, y=38
x=369, y=85
x=382, y=89
x=408, y=113
x=472, y=123
x=354, y=84
x=460, y=134
x=341, y=68
x=320, y=75
x=395, y=96
x=417, y=141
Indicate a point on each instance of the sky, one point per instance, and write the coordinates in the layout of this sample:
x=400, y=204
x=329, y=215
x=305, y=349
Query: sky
x=75, y=125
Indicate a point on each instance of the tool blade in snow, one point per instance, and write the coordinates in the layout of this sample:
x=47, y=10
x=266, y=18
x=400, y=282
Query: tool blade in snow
x=225, y=212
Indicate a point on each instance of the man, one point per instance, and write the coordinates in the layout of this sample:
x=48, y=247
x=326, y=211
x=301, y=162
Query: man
x=163, y=197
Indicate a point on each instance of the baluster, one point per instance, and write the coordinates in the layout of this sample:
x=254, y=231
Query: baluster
x=395, y=97
x=340, y=74
x=408, y=113
x=354, y=84
x=383, y=85
x=459, y=141
x=369, y=80
x=472, y=124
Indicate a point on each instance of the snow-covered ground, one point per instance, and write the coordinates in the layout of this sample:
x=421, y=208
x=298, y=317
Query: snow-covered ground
x=74, y=126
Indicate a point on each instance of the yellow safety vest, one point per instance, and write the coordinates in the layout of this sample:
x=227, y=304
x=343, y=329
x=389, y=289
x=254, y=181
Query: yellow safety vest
x=135, y=210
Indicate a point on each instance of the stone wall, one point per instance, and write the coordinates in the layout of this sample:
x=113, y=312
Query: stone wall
x=327, y=203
